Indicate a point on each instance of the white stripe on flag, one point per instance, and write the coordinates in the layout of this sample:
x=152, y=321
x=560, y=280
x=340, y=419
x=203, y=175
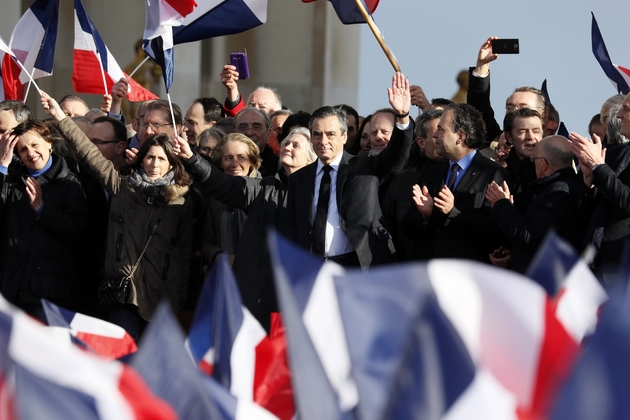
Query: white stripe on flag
x=243, y=357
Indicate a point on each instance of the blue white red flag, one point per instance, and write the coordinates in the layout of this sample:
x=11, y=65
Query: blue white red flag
x=453, y=338
x=213, y=18
x=54, y=379
x=348, y=12
x=11, y=88
x=227, y=342
x=106, y=339
x=34, y=37
x=318, y=352
x=161, y=17
x=93, y=61
x=600, y=382
x=618, y=77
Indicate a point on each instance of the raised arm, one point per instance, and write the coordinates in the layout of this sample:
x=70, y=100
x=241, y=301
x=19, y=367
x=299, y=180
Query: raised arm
x=87, y=153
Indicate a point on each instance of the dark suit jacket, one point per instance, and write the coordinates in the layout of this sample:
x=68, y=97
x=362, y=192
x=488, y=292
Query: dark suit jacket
x=357, y=200
x=478, y=95
x=468, y=230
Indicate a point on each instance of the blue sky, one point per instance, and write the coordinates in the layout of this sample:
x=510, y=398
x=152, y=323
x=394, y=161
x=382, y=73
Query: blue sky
x=433, y=41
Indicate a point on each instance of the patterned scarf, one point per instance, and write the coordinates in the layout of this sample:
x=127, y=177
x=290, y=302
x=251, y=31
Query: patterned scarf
x=151, y=188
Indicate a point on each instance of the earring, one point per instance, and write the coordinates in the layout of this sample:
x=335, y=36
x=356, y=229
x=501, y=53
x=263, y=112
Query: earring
x=50, y=151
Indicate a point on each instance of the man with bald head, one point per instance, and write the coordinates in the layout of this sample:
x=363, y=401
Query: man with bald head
x=558, y=194
x=264, y=98
x=607, y=174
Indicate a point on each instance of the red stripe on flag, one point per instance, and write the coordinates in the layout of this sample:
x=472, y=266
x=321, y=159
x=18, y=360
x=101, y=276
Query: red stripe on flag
x=206, y=367
x=7, y=400
x=624, y=70
x=86, y=74
x=272, y=376
x=557, y=355
x=142, y=401
x=13, y=88
x=138, y=92
x=109, y=347
x=183, y=7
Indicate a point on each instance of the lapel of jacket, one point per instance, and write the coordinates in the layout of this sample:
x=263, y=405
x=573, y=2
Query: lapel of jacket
x=342, y=175
x=309, y=189
x=471, y=173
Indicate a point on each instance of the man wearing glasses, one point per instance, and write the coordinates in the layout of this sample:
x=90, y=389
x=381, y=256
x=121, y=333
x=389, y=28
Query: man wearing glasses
x=110, y=137
x=558, y=191
x=254, y=123
x=157, y=120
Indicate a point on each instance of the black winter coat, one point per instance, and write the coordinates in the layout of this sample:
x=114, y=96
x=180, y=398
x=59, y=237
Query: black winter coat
x=37, y=253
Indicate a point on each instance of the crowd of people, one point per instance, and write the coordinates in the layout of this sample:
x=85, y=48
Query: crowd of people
x=86, y=198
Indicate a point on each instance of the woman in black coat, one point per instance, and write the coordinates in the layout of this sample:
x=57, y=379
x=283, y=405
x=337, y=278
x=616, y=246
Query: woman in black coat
x=44, y=213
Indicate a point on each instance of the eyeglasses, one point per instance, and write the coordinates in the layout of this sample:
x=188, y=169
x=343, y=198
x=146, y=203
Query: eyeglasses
x=533, y=158
x=505, y=147
x=154, y=126
x=244, y=128
x=98, y=142
x=276, y=130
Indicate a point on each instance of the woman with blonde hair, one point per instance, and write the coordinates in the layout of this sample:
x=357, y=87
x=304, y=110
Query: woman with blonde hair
x=236, y=155
x=264, y=202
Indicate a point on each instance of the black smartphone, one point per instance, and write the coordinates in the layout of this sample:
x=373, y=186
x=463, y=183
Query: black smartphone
x=239, y=60
x=505, y=46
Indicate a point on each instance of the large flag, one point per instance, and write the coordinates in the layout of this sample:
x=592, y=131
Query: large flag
x=600, y=382
x=11, y=88
x=348, y=12
x=318, y=351
x=34, y=37
x=108, y=340
x=213, y=18
x=93, y=62
x=452, y=338
x=53, y=379
x=619, y=76
x=227, y=342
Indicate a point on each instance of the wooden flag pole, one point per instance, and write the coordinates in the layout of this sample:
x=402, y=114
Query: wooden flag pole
x=377, y=34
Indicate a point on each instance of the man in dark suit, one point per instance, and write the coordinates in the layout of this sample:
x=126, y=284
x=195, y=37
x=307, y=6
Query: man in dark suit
x=452, y=218
x=333, y=208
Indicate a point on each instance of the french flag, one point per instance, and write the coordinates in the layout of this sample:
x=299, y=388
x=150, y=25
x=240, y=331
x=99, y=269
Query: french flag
x=108, y=340
x=214, y=18
x=228, y=343
x=53, y=379
x=619, y=76
x=161, y=16
x=11, y=88
x=318, y=351
x=93, y=61
x=452, y=338
x=348, y=12
x=192, y=394
x=34, y=37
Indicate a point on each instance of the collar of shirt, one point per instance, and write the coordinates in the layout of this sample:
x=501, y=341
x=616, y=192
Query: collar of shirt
x=334, y=164
x=464, y=162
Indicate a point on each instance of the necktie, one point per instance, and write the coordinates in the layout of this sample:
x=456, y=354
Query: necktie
x=453, y=176
x=319, y=225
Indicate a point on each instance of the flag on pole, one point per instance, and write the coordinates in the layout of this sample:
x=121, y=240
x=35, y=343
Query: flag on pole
x=228, y=343
x=53, y=379
x=214, y=18
x=618, y=77
x=93, y=62
x=161, y=16
x=348, y=12
x=108, y=340
x=11, y=88
x=34, y=37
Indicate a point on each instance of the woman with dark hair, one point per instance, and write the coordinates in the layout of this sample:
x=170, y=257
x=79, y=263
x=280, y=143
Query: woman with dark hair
x=147, y=195
x=44, y=214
